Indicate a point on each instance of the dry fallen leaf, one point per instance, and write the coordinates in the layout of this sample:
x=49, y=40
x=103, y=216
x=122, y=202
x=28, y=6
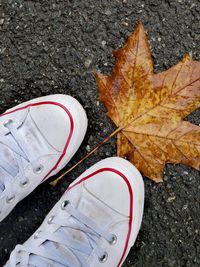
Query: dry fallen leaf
x=149, y=108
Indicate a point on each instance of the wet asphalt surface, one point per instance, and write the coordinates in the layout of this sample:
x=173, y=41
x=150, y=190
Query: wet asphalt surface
x=49, y=47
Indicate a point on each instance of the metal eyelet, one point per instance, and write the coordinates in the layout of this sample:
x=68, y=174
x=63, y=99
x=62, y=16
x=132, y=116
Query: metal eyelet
x=39, y=169
x=113, y=241
x=36, y=234
x=65, y=204
x=7, y=122
x=10, y=199
x=24, y=184
x=50, y=219
x=104, y=257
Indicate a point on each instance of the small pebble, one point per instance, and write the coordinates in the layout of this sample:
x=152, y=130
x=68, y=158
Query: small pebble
x=185, y=207
x=192, y=5
x=88, y=148
x=103, y=43
x=87, y=63
x=170, y=199
x=39, y=42
x=108, y=12
x=2, y=50
x=1, y=21
x=125, y=23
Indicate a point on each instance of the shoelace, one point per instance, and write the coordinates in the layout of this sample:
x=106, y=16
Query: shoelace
x=20, y=150
x=48, y=255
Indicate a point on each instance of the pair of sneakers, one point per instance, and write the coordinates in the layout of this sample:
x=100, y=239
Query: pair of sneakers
x=96, y=221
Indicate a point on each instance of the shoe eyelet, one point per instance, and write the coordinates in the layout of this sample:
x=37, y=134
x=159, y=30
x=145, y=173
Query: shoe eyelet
x=65, y=204
x=50, y=219
x=39, y=169
x=10, y=199
x=24, y=184
x=7, y=122
x=36, y=234
x=113, y=241
x=104, y=257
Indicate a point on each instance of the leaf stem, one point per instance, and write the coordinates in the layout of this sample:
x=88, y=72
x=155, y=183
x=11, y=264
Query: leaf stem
x=54, y=183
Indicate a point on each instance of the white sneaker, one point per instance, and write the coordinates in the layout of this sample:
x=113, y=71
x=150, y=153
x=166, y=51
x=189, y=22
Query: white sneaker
x=37, y=139
x=94, y=224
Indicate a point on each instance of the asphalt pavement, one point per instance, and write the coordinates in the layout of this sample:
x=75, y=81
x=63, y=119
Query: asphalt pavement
x=49, y=47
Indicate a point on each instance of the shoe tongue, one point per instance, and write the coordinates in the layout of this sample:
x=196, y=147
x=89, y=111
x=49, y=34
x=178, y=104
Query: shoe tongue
x=8, y=157
x=33, y=139
x=2, y=177
x=96, y=210
x=9, y=148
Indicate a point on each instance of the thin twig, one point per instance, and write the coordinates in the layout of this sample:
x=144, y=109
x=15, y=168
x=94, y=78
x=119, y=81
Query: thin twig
x=54, y=183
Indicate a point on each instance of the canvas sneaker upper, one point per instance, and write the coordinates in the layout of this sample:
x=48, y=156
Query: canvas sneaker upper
x=95, y=223
x=37, y=139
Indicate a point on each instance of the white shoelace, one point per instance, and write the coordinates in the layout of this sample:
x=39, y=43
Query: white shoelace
x=72, y=252
x=20, y=150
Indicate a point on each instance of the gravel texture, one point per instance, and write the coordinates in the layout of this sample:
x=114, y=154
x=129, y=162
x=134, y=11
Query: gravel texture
x=49, y=47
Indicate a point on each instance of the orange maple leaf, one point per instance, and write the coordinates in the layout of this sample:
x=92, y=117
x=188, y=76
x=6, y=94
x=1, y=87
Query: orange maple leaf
x=149, y=108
